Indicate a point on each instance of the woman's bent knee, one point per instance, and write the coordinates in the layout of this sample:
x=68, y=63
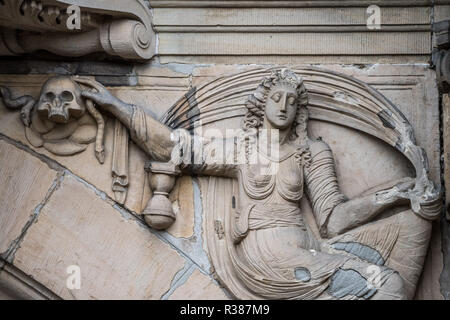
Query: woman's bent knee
x=392, y=289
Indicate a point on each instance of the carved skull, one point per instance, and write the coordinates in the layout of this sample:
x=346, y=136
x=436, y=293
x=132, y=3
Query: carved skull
x=60, y=100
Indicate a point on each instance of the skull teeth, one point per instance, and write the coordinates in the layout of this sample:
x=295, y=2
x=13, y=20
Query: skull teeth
x=58, y=116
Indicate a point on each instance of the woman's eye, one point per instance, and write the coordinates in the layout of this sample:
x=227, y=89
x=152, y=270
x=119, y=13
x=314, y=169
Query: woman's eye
x=276, y=97
x=291, y=101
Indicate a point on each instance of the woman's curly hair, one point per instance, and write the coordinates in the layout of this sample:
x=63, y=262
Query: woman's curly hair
x=257, y=101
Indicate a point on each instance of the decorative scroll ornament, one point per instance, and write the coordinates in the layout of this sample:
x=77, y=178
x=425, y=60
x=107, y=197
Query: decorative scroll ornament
x=119, y=28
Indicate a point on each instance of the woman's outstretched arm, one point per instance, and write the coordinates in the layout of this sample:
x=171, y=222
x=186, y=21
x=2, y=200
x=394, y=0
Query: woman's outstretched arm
x=152, y=136
x=161, y=143
x=334, y=213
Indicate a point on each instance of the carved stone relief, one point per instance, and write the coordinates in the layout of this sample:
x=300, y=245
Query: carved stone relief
x=261, y=243
x=119, y=28
x=324, y=88
x=441, y=62
x=441, y=54
x=62, y=121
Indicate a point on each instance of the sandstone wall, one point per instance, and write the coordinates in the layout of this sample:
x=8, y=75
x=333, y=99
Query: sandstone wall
x=60, y=211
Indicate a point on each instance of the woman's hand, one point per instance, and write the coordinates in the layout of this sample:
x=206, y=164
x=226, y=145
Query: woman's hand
x=405, y=184
x=102, y=97
x=98, y=93
x=400, y=191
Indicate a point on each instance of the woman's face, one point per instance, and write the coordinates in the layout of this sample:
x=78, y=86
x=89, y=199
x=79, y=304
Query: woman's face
x=281, y=106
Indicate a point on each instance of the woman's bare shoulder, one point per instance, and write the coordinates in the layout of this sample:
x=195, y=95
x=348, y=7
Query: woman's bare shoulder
x=318, y=145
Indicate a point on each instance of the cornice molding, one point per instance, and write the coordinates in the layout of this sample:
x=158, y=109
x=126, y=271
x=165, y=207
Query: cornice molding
x=291, y=4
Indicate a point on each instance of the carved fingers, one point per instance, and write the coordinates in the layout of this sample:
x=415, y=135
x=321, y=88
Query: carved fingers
x=97, y=92
x=90, y=83
x=400, y=191
x=102, y=97
x=420, y=192
x=386, y=196
x=405, y=184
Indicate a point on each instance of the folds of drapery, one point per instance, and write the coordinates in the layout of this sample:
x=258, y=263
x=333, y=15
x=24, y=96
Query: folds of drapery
x=322, y=185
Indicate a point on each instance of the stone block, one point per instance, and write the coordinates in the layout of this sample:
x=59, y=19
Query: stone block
x=25, y=181
x=199, y=287
x=118, y=257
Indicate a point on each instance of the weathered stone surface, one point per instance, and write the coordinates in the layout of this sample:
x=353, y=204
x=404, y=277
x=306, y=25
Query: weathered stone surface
x=276, y=43
x=259, y=32
x=138, y=189
x=82, y=68
x=204, y=74
x=199, y=287
x=429, y=287
x=445, y=276
x=117, y=256
x=182, y=198
x=411, y=88
x=355, y=153
x=282, y=17
x=101, y=28
x=441, y=12
x=24, y=183
x=16, y=285
x=169, y=77
x=153, y=99
x=95, y=173
x=446, y=146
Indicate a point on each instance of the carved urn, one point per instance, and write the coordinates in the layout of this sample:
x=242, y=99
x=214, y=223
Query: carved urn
x=158, y=213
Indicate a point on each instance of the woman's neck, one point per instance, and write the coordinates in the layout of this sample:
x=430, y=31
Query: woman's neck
x=274, y=135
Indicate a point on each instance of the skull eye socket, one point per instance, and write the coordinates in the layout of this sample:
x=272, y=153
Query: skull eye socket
x=50, y=96
x=66, y=96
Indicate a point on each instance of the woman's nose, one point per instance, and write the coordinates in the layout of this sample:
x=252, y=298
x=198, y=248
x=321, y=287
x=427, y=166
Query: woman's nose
x=283, y=102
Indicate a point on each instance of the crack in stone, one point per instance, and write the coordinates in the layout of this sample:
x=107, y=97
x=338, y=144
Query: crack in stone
x=180, y=278
x=125, y=213
x=9, y=254
x=192, y=248
x=130, y=215
x=52, y=164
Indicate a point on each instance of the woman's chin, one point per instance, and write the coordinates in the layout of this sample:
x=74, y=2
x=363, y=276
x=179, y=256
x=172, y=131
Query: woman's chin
x=280, y=125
